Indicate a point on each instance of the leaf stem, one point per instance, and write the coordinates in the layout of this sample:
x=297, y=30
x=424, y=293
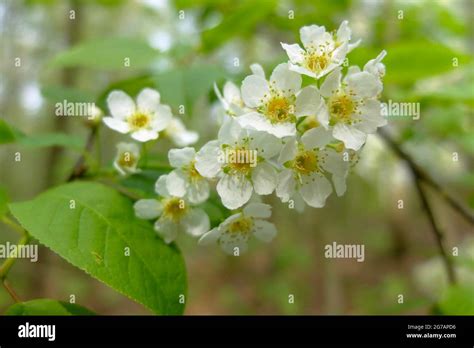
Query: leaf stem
x=10, y=291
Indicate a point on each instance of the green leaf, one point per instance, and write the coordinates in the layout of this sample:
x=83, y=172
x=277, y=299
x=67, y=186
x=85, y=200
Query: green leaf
x=457, y=300
x=3, y=201
x=108, y=54
x=241, y=21
x=47, y=307
x=8, y=134
x=425, y=59
x=95, y=235
x=61, y=93
x=53, y=139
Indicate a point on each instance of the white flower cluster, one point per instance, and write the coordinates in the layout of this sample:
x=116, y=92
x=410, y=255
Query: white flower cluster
x=278, y=136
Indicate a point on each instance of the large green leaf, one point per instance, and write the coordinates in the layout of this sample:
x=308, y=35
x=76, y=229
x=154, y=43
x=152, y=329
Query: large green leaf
x=94, y=237
x=457, y=300
x=53, y=139
x=47, y=307
x=241, y=21
x=108, y=54
x=8, y=134
x=409, y=61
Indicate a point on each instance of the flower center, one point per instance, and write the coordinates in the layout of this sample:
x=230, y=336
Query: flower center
x=279, y=109
x=193, y=174
x=174, y=208
x=306, y=162
x=127, y=160
x=317, y=62
x=341, y=108
x=241, y=226
x=240, y=160
x=138, y=120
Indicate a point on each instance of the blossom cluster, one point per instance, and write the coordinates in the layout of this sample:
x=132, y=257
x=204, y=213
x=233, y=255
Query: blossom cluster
x=277, y=136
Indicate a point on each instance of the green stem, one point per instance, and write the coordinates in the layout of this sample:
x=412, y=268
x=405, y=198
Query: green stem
x=8, y=263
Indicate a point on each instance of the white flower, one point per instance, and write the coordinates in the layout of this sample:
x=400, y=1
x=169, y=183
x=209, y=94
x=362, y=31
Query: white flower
x=143, y=120
x=375, y=66
x=127, y=158
x=175, y=214
x=185, y=180
x=306, y=165
x=351, y=107
x=233, y=234
x=322, y=51
x=239, y=157
x=231, y=99
x=273, y=102
x=178, y=133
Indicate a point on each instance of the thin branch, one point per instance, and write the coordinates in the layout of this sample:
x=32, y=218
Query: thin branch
x=421, y=174
x=10, y=291
x=80, y=168
x=437, y=232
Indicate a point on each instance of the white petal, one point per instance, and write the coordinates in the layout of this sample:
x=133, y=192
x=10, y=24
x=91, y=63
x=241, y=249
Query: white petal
x=185, y=138
x=144, y=135
x=323, y=116
x=254, y=89
x=231, y=92
x=339, y=184
x=350, y=136
x=234, y=190
x=147, y=208
x=364, y=84
x=308, y=102
x=315, y=190
x=371, y=117
x=339, y=54
x=267, y=145
x=254, y=120
x=288, y=151
x=116, y=124
x=285, y=80
x=316, y=138
x=301, y=70
x=120, y=104
x=230, y=132
x=264, y=230
x=331, y=83
x=264, y=178
x=258, y=210
x=286, y=185
x=257, y=70
x=230, y=241
x=167, y=229
x=181, y=157
x=161, y=118
x=311, y=34
x=176, y=183
x=148, y=100
x=335, y=164
x=344, y=32
x=196, y=222
x=295, y=52
x=207, y=159
x=210, y=237
x=198, y=192
x=160, y=186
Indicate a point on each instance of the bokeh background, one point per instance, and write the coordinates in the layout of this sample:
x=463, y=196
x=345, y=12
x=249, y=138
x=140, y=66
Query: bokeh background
x=182, y=47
